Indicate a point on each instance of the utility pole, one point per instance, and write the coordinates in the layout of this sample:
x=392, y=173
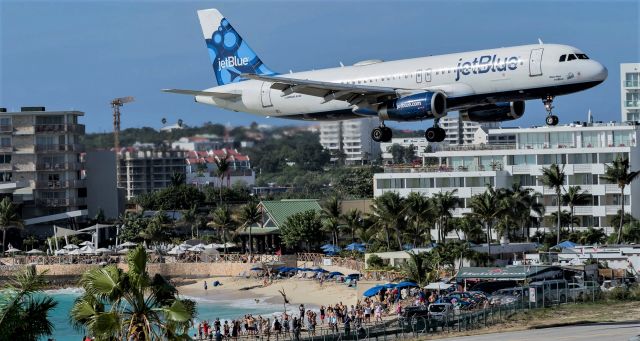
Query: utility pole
x=116, y=104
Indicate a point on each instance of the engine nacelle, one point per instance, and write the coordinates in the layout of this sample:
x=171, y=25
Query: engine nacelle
x=502, y=111
x=409, y=108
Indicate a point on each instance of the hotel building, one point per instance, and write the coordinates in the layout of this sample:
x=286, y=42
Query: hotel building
x=352, y=139
x=630, y=91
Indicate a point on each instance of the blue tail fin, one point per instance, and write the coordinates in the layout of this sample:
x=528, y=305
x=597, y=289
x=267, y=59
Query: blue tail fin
x=229, y=53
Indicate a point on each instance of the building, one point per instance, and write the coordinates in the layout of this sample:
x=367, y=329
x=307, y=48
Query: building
x=199, y=143
x=584, y=150
x=482, y=136
x=144, y=171
x=462, y=132
x=351, y=140
x=419, y=145
x=102, y=190
x=630, y=91
x=202, y=168
x=40, y=160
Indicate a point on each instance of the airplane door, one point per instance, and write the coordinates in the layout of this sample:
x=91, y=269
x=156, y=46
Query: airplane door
x=265, y=94
x=535, y=62
x=427, y=75
x=419, y=76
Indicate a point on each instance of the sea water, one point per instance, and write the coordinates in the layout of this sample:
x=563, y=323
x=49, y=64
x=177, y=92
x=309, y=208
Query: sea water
x=208, y=309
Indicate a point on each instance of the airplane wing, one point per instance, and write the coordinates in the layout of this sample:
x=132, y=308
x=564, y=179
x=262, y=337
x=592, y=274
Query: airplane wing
x=220, y=95
x=327, y=90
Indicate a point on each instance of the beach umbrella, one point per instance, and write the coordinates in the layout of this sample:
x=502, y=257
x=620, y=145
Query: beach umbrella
x=372, y=291
x=408, y=246
x=12, y=250
x=389, y=285
x=175, y=251
x=103, y=250
x=86, y=243
x=71, y=247
x=331, y=249
x=438, y=286
x=319, y=270
x=257, y=268
x=355, y=247
x=229, y=244
x=74, y=252
x=60, y=252
x=336, y=273
x=34, y=251
x=406, y=285
x=128, y=244
x=196, y=249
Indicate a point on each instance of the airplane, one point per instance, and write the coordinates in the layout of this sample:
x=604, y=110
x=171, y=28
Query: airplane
x=484, y=86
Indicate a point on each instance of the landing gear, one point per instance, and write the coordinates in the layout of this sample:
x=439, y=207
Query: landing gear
x=551, y=119
x=381, y=134
x=435, y=133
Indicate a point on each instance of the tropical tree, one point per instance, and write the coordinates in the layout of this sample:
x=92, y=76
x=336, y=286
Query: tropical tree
x=471, y=227
x=573, y=197
x=332, y=217
x=565, y=218
x=157, y=230
x=487, y=207
x=352, y=222
x=24, y=309
x=632, y=232
x=388, y=212
x=222, y=220
x=420, y=268
x=131, y=305
x=248, y=215
x=619, y=173
x=443, y=204
x=419, y=211
x=189, y=218
x=301, y=227
x=222, y=168
x=178, y=179
x=524, y=204
x=554, y=178
x=9, y=218
x=592, y=236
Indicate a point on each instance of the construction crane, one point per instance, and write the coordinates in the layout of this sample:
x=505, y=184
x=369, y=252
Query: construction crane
x=116, y=104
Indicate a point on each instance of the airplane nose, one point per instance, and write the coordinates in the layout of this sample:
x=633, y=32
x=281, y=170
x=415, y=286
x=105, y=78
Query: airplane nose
x=600, y=72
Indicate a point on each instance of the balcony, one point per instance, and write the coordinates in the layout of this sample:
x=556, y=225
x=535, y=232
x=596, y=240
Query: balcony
x=632, y=104
x=441, y=168
x=6, y=149
x=57, y=184
x=61, y=202
x=60, y=128
x=631, y=84
x=6, y=128
x=60, y=166
x=46, y=148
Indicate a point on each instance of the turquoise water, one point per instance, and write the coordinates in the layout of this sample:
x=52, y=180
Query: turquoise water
x=208, y=309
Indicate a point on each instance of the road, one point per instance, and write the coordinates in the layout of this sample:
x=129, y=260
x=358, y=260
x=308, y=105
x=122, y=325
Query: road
x=594, y=332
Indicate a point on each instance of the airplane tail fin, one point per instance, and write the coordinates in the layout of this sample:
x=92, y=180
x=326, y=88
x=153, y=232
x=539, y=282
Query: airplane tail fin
x=230, y=55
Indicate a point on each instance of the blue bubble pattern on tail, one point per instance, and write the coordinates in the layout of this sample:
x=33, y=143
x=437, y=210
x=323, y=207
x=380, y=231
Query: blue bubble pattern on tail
x=231, y=56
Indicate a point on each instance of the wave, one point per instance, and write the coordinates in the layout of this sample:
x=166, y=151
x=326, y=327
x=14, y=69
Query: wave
x=65, y=291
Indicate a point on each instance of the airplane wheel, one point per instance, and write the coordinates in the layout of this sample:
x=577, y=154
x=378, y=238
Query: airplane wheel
x=441, y=134
x=387, y=134
x=431, y=135
x=377, y=134
x=552, y=120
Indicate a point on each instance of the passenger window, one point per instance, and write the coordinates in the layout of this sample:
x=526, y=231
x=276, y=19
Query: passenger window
x=571, y=57
x=563, y=57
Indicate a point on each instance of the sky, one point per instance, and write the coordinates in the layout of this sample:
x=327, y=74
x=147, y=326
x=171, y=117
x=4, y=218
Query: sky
x=81, y=54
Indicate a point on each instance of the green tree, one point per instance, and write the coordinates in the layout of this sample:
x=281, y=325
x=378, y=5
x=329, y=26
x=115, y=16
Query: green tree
x=419, y=211
x=223, y=221
x=443, y=204
x=554, y=178
x=619, y=173
x=592, y=236
x=248, y=215
x=388, y=212
x=631, y=232
x=189, y=218
x=157, y=230
x=222, y=169
x=131, y=305
x=420, y=268
x=301, y=227
x=24, y=309
x=471, y=227
x=487, y=207
x=332, y=217
x=524, y=206
x=9, y=218
x=355, y=182
x=178, y=179
x=352, y=222
x=574, y=196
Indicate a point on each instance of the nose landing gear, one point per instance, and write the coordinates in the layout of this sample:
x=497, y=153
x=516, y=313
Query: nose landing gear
x=381, y=134
x=551, y=119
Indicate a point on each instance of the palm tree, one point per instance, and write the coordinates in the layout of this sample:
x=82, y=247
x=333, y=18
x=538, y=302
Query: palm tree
x=131, y=305
x=189, y=218
x=248, y=215
x=332, y=216
x=592, y=236
x=419, y=211
x=24, y=310
x=574, y=196
x=487, y=207
x=619, y=173
x=565, y=218
x=554, y=178
x=524, y=204
x=420, y=268
x=223, y=221
x=352, y=222
x=388, y=212
x=8, y=219
x=222, y=168
x=178, y=179
x=443, y=203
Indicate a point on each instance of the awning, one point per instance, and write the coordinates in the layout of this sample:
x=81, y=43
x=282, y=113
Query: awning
x=438, y=286
x=515, y=273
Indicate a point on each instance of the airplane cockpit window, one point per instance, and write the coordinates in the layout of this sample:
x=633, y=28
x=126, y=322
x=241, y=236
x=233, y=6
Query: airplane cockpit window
x=582, y=56
x=571, y=57
x=563, y=57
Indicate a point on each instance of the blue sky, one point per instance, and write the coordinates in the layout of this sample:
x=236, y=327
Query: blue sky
x=81, y=54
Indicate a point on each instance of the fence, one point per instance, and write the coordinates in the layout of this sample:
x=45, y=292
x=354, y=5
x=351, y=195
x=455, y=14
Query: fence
x=318, y=260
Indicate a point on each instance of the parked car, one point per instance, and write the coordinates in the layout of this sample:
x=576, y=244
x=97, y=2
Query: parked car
x=490, y=287
x=466, y=299
x=609, y=285
x=578, y=291
x=440, y=311
x=510, y=295
x=549, y=291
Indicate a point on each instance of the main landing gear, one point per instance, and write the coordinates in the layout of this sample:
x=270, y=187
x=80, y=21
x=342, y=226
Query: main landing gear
x=435, y=133
x=381, y=134
x=551, y=119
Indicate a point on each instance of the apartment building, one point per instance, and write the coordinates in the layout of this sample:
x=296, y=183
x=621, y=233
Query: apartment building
x=199, y=143
x=40, y=160
x=583, y=149
x=351, y=140
x=630, y=91
x=419, y=145
x=144, y=171
x=202, y=168
x=462, y=132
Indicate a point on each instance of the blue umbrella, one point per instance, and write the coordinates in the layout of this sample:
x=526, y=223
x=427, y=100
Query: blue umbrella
x=407, y=246
x=257, y=268
x=373, y=291
x=389, y=285
x=336, y=273
x=331, y=248
x=356, y=276
x=320, y=270
x=328, y=246
x=406, y=285
x=355, y=247
x=284, y=269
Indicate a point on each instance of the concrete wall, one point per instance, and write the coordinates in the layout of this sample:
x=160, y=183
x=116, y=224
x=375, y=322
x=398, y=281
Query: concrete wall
x=102, y=192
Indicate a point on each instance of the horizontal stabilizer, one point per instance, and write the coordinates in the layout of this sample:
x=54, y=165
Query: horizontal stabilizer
x=220, y=95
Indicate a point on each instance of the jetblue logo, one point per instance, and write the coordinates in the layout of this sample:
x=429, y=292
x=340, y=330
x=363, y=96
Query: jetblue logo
x=484, y=64
x=232, y=61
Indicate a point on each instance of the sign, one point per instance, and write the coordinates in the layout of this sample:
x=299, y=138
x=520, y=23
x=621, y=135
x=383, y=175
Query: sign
x=327, y=261
x=532, y=295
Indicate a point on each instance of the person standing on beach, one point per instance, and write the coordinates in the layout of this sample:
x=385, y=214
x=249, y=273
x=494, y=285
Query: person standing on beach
x=205, y=286
x=322, y=315
x=301, y=311
x=296, y=329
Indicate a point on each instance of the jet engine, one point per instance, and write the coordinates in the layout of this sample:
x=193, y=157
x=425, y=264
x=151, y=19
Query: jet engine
x=501, y=111
x=409, y=108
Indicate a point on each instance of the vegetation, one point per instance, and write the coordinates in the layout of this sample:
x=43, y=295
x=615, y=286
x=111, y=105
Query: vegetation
x=620, y=174
x=554, y=178
x=131, y=305
x=302, y=227
x=8, y=219
x=24, y=309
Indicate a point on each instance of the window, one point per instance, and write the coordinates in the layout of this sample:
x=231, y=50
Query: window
x=588, y=158
x=53, y=119
x=571, y=57
x=5, y=158
x=5, y=177
x=5, y=142
x=563, y=57
x=582, y=56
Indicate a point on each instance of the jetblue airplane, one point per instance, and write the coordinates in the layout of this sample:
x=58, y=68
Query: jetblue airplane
x=484, y=86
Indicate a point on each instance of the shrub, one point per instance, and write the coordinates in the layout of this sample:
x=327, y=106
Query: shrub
x=375, y=262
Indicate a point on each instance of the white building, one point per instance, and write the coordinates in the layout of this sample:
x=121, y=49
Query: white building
x=583, y=150
x=350, y=138
x=419, y=145
x=202, y=169
x=198, y=143
x=462, y=134
x=630, y=91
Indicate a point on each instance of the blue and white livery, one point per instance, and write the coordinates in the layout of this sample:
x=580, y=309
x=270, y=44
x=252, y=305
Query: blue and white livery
x=486, y=85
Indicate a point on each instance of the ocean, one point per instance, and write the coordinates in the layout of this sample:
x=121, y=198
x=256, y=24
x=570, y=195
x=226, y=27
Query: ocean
x=208, y=309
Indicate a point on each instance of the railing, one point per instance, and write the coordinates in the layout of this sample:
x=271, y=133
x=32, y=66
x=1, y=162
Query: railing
x=318, y=260
x=6, y=128
x=631, y=84
x=70, y=128
x=53, y=184
x=631, y=104
x=61, y=202
x=6, y=149
x=59, y=148
x=57, y=166
x=496, y=146
x=440, y=169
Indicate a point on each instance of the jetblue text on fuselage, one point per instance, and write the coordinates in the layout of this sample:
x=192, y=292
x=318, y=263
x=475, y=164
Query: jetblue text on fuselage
x=232, y=61
x=484, y=64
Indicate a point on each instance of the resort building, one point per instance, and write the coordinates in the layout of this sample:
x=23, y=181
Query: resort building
x=144, y=171
x=462, y=132
x=350, y=140
x=199, y=143
x=584, y=150
x=419, y=145
x=630, y=91
x=40, y=161
x=202, y=168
